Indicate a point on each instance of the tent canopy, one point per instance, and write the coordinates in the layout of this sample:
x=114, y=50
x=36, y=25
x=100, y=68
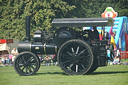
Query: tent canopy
x=3, y=47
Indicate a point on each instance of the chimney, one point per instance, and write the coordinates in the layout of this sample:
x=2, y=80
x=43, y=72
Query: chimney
x=27, y=29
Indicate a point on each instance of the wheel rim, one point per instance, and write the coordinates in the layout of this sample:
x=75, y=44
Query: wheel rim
x=75, y=57
x=26, y=64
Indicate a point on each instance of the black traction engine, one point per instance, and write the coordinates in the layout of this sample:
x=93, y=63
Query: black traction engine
x=76, y=52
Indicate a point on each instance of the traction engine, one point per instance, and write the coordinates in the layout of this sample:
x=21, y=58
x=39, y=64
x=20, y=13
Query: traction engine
x=74, y=50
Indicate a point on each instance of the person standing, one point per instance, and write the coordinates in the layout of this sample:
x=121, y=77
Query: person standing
x=14, y=54
x=95, y=33
x=112, y=44
x=10, y=59
x=95, y=40
x=118, y=53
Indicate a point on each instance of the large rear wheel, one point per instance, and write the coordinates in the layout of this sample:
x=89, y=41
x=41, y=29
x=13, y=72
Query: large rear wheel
x=75, y=57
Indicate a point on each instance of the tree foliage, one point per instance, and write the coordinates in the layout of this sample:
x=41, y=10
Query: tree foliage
x=13, y=12
x=94, y=8
x=42, y=12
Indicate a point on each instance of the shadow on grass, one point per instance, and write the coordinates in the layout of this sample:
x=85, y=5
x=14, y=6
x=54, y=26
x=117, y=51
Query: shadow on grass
x=94, y=73
x=61, y=73
x=114, y=72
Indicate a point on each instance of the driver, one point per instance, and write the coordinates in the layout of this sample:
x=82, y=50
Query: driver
x=95, y=33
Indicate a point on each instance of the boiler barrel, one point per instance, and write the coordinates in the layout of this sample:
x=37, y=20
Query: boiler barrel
x=37, y=48
x=24, y=46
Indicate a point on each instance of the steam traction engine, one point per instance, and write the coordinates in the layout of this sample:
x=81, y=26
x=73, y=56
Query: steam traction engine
x=75, y=53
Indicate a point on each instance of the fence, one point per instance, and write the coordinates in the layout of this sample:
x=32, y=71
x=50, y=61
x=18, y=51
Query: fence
x=124, y=54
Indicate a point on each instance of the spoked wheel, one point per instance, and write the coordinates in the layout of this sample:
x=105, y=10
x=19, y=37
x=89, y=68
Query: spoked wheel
x=26, y=63
x=75, y=57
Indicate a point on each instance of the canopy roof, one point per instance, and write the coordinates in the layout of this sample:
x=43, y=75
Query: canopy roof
x=82, y=22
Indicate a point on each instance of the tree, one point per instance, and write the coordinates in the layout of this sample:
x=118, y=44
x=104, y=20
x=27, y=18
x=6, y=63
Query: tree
x=94, y=8
x=13, y=12
x=42, y=12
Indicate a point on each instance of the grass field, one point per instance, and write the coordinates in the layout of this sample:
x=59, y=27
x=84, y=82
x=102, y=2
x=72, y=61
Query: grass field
x=53, y=75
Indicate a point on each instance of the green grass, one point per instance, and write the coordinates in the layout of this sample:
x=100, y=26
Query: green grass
x=53, y=75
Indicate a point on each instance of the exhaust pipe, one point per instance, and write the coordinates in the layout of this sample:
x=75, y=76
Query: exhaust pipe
x=28, y=38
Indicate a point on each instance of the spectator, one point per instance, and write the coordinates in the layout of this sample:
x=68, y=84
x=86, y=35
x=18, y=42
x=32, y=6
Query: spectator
x=3, y=60
x=116, y=60
x=53, y=59
x=6, y=60
x=118, y=53
x=47, y=60
x=10, y=59
x=41, y=58
x=0, y=62
x=112, y=45
x=14, y=54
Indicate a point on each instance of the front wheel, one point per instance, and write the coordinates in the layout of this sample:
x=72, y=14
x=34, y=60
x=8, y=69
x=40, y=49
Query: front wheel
x=26, y=63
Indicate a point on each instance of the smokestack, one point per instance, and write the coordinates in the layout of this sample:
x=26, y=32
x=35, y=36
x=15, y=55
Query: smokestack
x=27, y=28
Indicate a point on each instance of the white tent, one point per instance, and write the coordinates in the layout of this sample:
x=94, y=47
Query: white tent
x=4, y=46
x=4, y=49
